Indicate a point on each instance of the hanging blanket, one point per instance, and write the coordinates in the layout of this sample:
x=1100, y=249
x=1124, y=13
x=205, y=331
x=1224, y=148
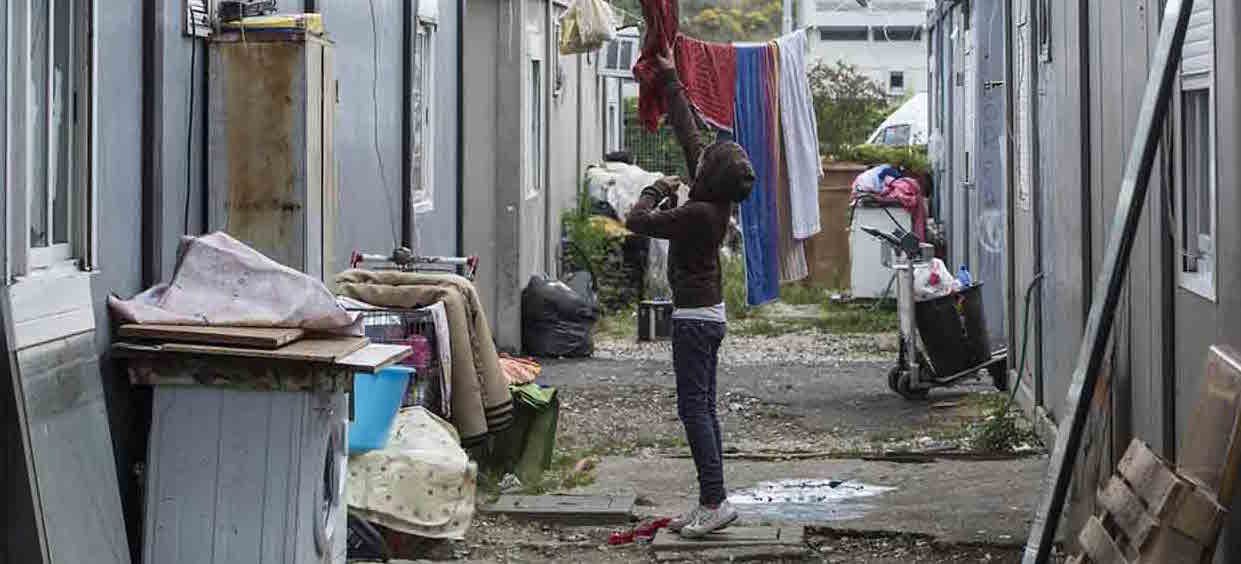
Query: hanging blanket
x=801, y=136
x=709, y=73
x=793, y=266
x=220, y=281
x=661, y=31
x=481, y=404
x=421, y=484
x=754, y=131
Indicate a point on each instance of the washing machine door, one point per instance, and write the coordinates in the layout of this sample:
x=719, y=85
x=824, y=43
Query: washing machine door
x=330, y=499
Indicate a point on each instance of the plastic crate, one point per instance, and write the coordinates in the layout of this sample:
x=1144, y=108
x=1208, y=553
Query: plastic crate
x=415, y=328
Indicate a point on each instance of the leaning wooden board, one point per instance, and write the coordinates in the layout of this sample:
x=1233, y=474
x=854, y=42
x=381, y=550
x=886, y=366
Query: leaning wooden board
x=249, y=337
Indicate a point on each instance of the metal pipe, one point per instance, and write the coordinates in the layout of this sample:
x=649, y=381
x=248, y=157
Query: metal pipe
x=410, y=8
x=1111, y=281
x=461, y=8
x=553, y=70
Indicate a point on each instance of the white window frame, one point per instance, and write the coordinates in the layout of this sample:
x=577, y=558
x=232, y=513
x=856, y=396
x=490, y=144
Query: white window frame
x=623, y=68
x=896, y=90
x=23, y=154
x=536, y=126
x=1202, y=282
x=424, y=188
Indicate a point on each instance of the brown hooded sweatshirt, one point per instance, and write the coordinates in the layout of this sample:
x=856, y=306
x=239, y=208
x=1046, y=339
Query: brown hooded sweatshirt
x=721, y=176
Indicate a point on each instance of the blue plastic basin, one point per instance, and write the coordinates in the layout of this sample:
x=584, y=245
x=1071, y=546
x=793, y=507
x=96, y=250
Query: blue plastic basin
x=376, y=401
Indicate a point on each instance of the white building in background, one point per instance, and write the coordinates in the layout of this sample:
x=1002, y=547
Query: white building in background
x=884, y=39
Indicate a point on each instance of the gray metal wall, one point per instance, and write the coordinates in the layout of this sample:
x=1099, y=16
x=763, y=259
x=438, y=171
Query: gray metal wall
x=1199, y=324
x=516, y=234
x=969, y=127
x=987, y=193
x=437, y=229
x=1076, y=114
x=368, y=127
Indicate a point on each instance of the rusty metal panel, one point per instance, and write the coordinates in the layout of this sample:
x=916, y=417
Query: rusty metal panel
x=257, y=146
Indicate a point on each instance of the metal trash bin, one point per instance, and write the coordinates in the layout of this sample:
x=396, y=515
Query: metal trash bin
x=655, y=320
x=954, y=331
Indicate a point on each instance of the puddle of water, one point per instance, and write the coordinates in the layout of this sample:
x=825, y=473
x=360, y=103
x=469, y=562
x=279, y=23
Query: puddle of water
x=805, y=500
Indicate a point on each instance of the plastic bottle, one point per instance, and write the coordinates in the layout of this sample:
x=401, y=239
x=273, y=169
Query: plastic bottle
x=963, y=276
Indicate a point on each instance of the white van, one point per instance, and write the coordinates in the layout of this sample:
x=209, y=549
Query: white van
x=906, y=126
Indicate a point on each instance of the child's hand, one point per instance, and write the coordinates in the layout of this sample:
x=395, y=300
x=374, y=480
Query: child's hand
x=663, y=60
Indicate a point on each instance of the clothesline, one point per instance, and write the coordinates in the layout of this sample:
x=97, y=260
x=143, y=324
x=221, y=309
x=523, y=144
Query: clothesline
x=760, y=95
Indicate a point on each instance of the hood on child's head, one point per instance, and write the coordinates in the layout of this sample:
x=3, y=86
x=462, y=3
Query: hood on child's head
x=724, y=174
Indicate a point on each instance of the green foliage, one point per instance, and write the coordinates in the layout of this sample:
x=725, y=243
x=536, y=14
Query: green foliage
x=732, y=266
x=913, y=159
x=719, y=20
x=588, y=244
x=746, y=20
x=848, y=105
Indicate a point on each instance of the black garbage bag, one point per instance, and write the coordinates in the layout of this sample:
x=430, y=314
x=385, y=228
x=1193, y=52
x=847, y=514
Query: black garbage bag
x=556, y=321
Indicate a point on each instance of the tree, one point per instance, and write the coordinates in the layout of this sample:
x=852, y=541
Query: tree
x=848, y=105
x=720, y=20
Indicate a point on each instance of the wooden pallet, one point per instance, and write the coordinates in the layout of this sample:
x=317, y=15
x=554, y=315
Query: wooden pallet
x=1147, y=513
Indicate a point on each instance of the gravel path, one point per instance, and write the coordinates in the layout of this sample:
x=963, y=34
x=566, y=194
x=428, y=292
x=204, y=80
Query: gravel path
x=801, y=348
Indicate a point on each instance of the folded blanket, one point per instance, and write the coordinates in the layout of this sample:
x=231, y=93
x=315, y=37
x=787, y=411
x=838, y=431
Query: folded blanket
x=421, y=484
x=481, y=404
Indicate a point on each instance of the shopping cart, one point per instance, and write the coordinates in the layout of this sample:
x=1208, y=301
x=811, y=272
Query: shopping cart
x=942, y=341
x=405, y=260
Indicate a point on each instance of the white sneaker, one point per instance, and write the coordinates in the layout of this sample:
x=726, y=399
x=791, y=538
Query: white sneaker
x=707, y=521
x=679, y=522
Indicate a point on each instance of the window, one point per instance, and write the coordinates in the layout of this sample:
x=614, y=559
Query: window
x=57, y=124
x=897, y=33
x=1196, y=182
x=422, y=115
x=895, y=135
x=536, y=127
x=619, y=56
x=1044, y=30
x=896, y=82
x=844, y=33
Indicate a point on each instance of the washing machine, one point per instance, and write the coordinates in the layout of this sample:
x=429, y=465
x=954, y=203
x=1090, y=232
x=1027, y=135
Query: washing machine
x=246, y=477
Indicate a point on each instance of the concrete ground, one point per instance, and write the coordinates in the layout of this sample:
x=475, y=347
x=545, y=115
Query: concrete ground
x=840, y=411
x=801, y=409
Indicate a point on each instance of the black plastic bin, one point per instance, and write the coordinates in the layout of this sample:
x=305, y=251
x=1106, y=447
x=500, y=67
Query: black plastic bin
x=954, y=331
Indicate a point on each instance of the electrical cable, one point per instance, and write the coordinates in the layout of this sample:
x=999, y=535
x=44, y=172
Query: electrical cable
x=189, y=133
x=383, y=174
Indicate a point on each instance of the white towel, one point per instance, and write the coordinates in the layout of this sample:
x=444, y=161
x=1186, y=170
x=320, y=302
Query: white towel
x=801, y=136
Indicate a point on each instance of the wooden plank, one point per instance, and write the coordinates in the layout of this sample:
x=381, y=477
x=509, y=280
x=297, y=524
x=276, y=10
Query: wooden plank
x=323, y=350
x=1171, y=547
x=1198, y=516
x=373, y=358
x=1099, y=546
x=1150, y=477
x=1125, y=508
x=578, y=510
x=1210, y=454
x=731, y=538
x=249, y=337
